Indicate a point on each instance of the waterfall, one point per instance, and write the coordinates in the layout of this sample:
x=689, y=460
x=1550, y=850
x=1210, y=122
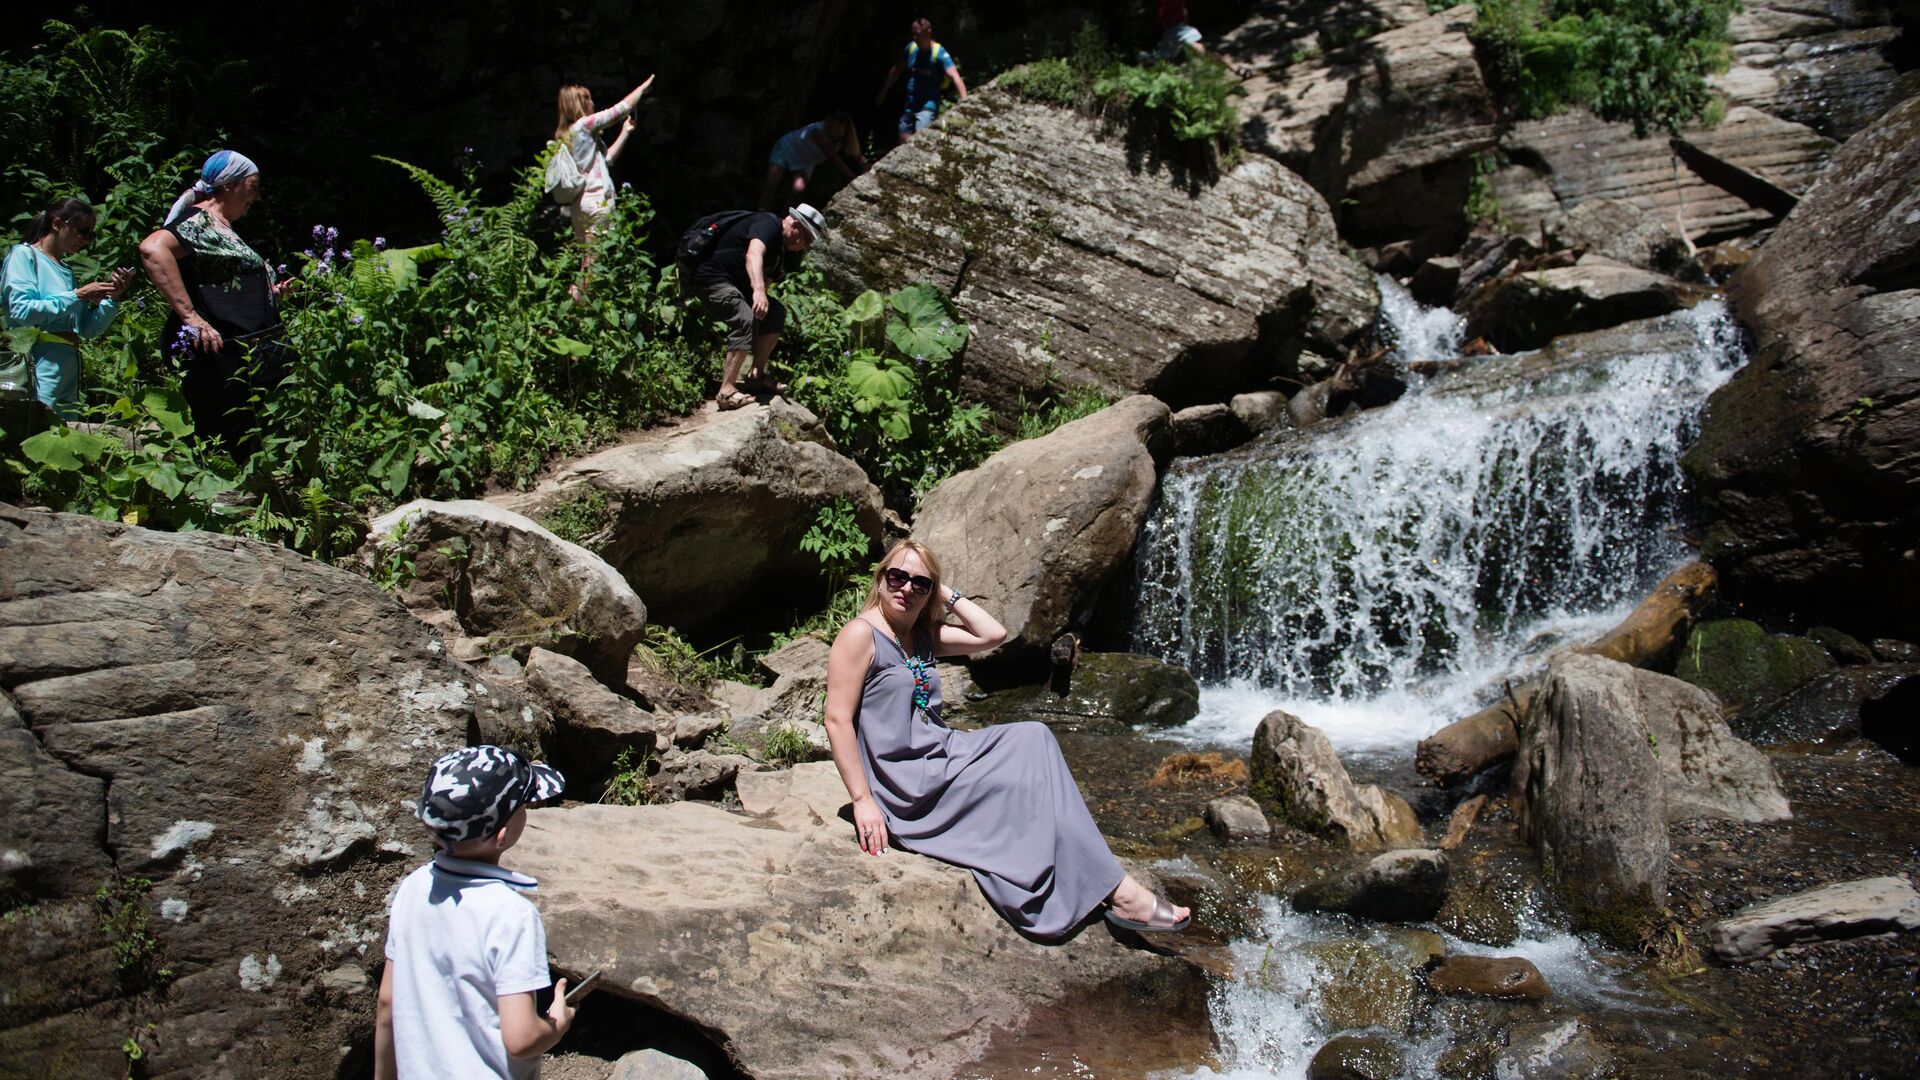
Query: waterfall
x=1380, y=575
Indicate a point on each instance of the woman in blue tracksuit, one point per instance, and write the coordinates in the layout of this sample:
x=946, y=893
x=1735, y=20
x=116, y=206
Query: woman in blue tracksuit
x=41, y=294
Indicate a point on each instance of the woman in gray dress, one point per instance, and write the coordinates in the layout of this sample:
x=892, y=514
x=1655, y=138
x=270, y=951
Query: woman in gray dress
x=998, y=801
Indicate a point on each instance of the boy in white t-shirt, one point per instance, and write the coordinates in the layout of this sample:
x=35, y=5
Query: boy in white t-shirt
x=466, y=951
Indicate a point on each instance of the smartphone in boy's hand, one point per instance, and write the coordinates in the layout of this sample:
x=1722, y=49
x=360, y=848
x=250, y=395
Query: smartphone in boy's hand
x=582, y=988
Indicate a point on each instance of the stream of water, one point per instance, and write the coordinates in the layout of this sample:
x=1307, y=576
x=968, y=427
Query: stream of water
x=1382, y=575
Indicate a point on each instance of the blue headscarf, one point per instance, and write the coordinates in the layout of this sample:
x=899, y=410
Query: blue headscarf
x=224, y=167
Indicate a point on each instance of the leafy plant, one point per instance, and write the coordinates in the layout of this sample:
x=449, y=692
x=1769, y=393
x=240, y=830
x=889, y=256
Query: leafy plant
x=784, y=744
x=669, y=654
x=629, y=785
x=146, y=470
x=121, y=912
x=579, y=516
x=836, y=539
x=1078, y=402
x=1483, y=202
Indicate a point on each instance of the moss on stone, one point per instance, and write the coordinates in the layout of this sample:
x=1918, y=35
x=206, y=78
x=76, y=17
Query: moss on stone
x=1744, y=666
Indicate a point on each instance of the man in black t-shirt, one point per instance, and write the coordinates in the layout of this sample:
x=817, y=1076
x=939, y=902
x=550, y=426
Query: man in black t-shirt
x=746, y=257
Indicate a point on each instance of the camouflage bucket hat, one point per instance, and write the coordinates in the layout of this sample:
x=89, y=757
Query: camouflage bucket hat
x=471, y=793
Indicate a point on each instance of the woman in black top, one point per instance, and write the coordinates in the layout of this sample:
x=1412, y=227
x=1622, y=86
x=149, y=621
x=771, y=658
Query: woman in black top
x=225, y=323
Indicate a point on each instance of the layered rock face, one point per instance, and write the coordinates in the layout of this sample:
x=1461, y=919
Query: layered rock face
x=1076, y=264
x=227, y=739
x=1828, y=66
x=1036, y=531
x=1805, y=463
x=701, y=518
x=1385, y=128
x=775, y=934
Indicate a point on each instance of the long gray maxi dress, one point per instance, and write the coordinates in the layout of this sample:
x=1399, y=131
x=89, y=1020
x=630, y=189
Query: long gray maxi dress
x=998, y=801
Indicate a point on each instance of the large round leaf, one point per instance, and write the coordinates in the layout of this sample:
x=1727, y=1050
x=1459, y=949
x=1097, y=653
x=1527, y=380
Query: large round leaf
x=880, y=379
x=925, y=327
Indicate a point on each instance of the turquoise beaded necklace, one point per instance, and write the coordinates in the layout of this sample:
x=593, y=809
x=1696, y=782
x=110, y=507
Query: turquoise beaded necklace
x=922, y=670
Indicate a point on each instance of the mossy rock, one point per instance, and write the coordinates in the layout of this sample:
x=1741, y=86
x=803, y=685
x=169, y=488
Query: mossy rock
x=1746, y=667
x=1366, y=986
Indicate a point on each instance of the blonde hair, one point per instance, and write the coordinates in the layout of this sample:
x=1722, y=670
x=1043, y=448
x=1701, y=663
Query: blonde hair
x=576, y=101
x=928, y=622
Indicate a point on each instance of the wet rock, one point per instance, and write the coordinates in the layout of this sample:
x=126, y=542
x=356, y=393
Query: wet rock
x=1207, y=429
x=1825, y=710
x=1261, y=410
x=1746, y=667
x=1397, y=886
x=1237, y=819
x=1893, y=651
x=1829, y=67
x=1296, y=774
x=1364, y=987
x=1036, y=531
x=1051, y=242
x=654, y=1065
x=1437, y=281
x=1528, y=309
x=1485, y=896
x=1106, y=691
x=488, y=574
x=1506, y=977
x=1356, y=1057
x=684, y=905
x=1558, y=1050
x=1842, y=646
x=1652, y=634
x=704, y=519
x=1850, y=909
x=239, y=726
x=1461, y=822
x=1626, y=234
x=1555, y=169
x=1455, y=753
x=1803, y=464
x=1385, y=128
x=1308, y=406
x=592, y=724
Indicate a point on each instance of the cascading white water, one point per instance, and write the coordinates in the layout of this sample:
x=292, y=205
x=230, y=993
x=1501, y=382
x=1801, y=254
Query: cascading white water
x=1380, y=575
x=1415, y=332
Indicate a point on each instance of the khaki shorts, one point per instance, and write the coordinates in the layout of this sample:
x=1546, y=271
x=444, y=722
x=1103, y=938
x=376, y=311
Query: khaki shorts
x=725, y=299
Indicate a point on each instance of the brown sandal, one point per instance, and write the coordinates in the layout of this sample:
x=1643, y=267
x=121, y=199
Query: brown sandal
x=738, y=399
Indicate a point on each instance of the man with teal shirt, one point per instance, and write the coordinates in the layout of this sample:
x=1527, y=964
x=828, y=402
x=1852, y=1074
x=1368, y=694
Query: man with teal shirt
x=928, y=67
x=40, y=294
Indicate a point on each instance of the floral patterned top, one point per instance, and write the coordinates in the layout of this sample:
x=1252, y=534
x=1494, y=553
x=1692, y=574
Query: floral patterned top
x=590, y=155
x=229, y=283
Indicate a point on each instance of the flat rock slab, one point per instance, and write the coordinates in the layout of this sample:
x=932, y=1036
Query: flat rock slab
x=774, y=933
x=1850, y=909
x=1078, y=264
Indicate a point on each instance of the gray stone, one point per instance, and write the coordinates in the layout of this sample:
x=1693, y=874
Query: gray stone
x=1036, y=531
x=1075, y=268
x=696, y=774
x=1850, y=909
x=1207, y=429
x=1804, y=465
x=1893, y=651
x=1827, y=66
x=1261, y=410
x=654, y=1065
x=1842, y=646
x=736, y=923
x=1528, y=309
x=1626, y=234
x=237, y=724
x=483, y=572
x=704, y=518
x=1396, y=886
x=1237, y=819
x=1308, y=406
x=1298, y=776
x=1556, y=1050
x=1385, y=128
x=1826, y=710
x=592, y=724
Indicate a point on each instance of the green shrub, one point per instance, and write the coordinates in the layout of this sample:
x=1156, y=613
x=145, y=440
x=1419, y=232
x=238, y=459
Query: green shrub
x=628, y=786
x=1079, y=402
x=784, y=744
x=579, y=515
x=1638, y=61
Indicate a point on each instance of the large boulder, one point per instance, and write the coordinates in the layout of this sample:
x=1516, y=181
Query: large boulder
x=704, y=518
x=1829, y=66
x=1744, y=666
x=1528, y=309
x=1104, y=691
x=1627, y=234
x=1386, y=128
x=1077, y=266
x=592, y=724
x=775, y=935
x=495, y=581
x=1398, y=886
x=1609, y=755
x=225, y=739
x=1297, y=775
x=1035, y=531
x=1806, y=463
x=1829, y=708
x=1558, y=164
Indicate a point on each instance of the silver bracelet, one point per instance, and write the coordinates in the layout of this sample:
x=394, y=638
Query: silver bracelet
x=955, y=600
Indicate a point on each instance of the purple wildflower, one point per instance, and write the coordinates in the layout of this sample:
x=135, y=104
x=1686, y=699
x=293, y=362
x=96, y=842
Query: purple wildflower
x=357, y=320
x=333, y=235
x=379, y=243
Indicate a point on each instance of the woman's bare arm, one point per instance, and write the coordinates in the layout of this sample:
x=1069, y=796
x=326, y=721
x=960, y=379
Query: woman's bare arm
x=977, y=631
x=847, y=664
x=160, y=255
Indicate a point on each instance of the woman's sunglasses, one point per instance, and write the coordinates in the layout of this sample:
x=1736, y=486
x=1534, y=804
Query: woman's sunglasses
x=900, y=579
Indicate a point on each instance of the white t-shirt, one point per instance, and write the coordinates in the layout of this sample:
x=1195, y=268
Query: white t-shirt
x=459, y=936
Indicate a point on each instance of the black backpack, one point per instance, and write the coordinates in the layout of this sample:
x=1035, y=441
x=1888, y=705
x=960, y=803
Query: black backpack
x=699, y=239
